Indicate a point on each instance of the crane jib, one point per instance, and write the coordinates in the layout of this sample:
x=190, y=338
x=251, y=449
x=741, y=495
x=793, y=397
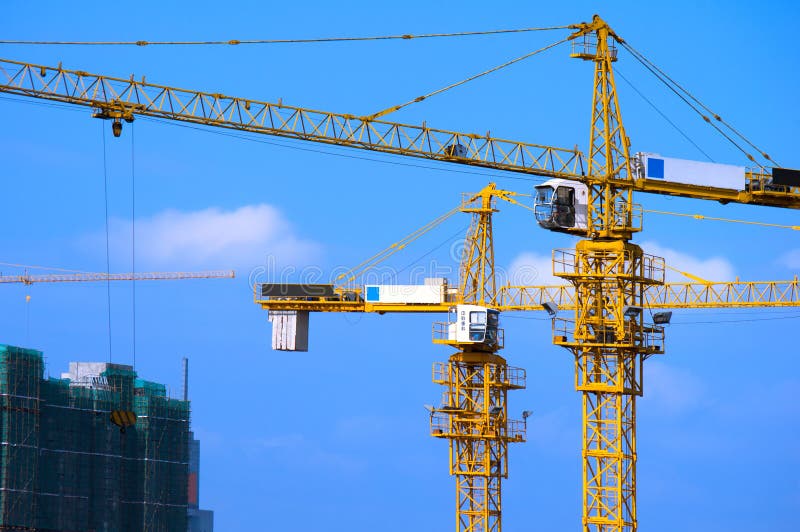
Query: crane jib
x=120, y=99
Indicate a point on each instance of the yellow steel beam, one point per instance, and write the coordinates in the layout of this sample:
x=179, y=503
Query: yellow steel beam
x=734, y=294
x=123, y=99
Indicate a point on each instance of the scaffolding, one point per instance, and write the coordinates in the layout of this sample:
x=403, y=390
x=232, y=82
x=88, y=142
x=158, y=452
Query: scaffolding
x=65, y=467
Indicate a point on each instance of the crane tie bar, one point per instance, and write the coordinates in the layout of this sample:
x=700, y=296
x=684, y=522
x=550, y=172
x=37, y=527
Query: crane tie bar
x=234, y=42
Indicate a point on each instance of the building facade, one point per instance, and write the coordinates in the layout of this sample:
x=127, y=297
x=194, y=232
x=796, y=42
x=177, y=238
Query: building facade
x=64, y=466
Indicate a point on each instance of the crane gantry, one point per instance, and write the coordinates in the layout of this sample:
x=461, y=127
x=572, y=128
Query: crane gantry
x=612, y=279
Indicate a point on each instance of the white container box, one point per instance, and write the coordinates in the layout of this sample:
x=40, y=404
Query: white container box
x=428, y=294
x=691, y=172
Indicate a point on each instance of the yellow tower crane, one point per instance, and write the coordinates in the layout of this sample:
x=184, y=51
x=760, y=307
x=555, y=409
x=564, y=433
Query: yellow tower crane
x=95, y=277
x=473, y=414
x=612, y=279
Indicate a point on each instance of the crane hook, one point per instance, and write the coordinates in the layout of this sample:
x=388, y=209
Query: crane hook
x=116, y=127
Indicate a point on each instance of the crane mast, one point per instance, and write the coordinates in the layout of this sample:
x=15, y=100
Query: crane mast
x=474, y=412
x=607, y=336
x=611, y=279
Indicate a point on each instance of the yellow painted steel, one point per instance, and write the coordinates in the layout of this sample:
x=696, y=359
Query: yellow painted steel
x=735, y=294
x=611, y=279
x=123, y=419
x=608, y=340
x=118, y=98
x=474, y=412
x=123, y=99
x=476, y=273
x=474, y=419
x=609, y=347
x=476, y=278
x=720, y=295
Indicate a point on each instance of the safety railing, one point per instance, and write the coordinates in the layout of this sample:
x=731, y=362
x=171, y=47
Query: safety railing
x=646, y=338
x=586, y=47
x=441, y=335
x=441, y=373
x=625, y=218
x=759, y=181
x=440, y=424
x=515, y=377
x=563, y=331
x=652, y=338
x=441, y=332
x=569, y=263
x=471, y=201
x=516, y=430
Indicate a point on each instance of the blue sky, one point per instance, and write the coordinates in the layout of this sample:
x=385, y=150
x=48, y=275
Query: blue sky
x=336, y=438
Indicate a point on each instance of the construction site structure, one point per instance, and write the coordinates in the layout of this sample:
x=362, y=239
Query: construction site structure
x=65, y=466
x=473, y=415
x=611, y=287
x=612, y=278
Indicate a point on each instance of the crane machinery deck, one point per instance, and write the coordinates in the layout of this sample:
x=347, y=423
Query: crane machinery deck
x=612, y=279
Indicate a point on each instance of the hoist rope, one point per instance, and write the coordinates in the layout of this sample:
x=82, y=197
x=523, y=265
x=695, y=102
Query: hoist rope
x=133, y=244
x=108, y=252
x=685, y=95
x=661, y=113
x=456, y=84
x=234, y=42
x=28, y=317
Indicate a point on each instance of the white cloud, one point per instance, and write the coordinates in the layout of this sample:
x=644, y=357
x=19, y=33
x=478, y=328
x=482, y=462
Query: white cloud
x=711, y=269
x=213, y=238
x=790, y=259
x=531, y=269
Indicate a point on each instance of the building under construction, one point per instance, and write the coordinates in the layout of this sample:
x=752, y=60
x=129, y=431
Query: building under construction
x=65, y=467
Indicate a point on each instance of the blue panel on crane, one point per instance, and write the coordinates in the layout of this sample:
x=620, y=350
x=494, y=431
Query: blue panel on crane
x=655, y=168
x=373, y=293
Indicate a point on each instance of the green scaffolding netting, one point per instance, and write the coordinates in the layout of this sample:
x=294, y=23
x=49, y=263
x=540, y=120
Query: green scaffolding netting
x=64, y=466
